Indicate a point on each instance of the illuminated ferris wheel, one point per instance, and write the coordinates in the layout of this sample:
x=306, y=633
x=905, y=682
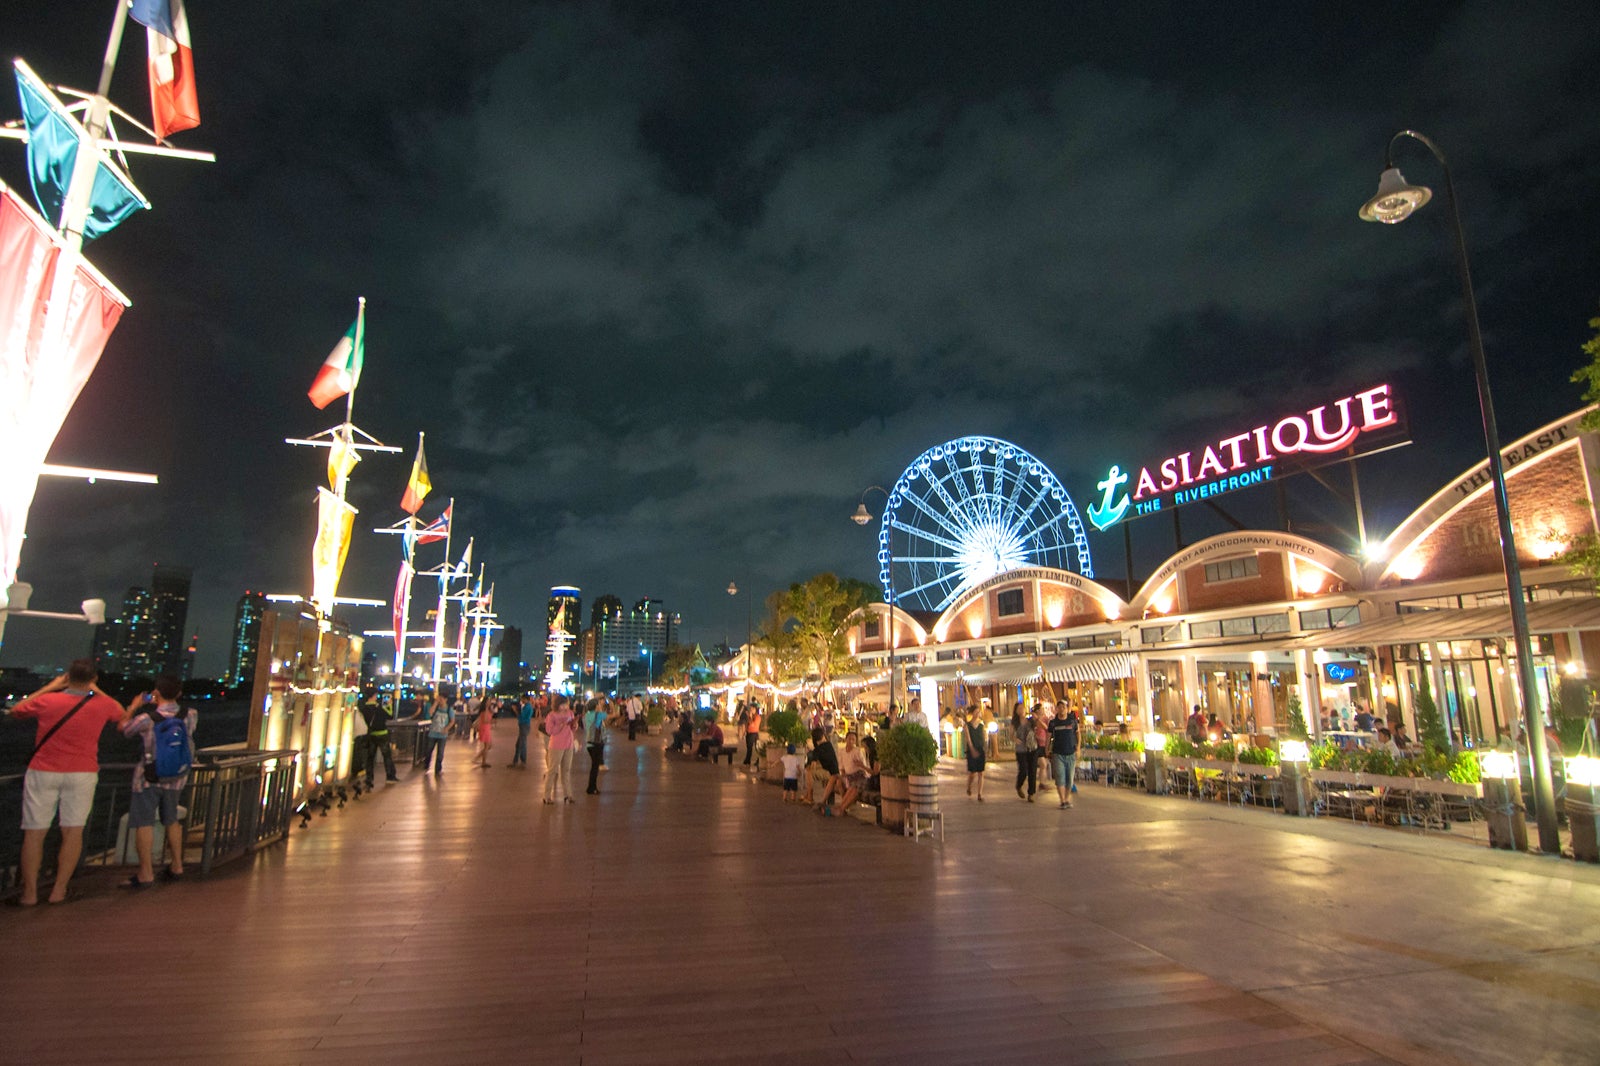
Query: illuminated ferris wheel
x=967, y=510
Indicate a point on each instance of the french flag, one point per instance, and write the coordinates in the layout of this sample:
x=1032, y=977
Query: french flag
x=174, y=104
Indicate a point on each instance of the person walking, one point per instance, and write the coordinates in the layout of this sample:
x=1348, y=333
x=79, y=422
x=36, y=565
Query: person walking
x=1064, y=751
x=71, y=711
x=635, y=713
x=483, y=726
x=439, y=723
x=561, y=730
x=1026, y=746
x=977, y=741
x=519, y=754
x=594, y=738
x=752, y=731
x=167, y=732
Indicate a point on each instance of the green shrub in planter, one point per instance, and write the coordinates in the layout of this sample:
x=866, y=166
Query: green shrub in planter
x=1258, y=756
x=655, y=714
x=1181, y=747
x=785, y=727
x=908, y=750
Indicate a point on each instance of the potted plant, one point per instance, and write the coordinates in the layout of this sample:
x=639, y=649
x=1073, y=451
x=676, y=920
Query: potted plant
x=907, y=755
x=654, y=715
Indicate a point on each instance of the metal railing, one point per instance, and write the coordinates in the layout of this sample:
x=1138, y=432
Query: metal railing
x=235, y=802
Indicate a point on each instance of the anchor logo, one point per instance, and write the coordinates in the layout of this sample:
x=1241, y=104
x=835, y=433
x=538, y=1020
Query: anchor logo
x=1106, y=514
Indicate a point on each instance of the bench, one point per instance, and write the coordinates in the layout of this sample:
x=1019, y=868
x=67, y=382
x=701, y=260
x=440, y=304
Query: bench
x=727, y=751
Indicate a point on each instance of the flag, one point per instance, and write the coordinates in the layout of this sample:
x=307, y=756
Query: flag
x=402, y=599
x=341, y=371
x=43, y=375
x=54, y=140
x=342, y=458
x=335, y=519
x=174, y=104
x=464, y=568
x=438, y=529
x=419, y=486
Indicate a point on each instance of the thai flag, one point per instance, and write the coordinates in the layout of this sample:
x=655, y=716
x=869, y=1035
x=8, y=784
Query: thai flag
x=174, y=104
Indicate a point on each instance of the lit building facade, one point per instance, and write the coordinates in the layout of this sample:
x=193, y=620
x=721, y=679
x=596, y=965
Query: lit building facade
x=566, y=605
x=639, y=636
x=1243, y=623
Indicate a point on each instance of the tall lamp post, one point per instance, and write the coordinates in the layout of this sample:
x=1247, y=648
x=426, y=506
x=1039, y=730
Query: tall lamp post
x=649, y=666
x=1394, y=202
x=749, y=632
x=861, y=518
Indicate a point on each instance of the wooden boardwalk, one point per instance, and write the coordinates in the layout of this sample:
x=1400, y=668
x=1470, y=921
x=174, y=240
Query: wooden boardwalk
x=686, y=915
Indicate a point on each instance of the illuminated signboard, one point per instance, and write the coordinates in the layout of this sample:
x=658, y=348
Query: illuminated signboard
x=1333, y=432
x=1341, y=673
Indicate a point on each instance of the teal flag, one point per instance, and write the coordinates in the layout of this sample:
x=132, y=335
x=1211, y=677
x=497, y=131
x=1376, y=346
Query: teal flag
x=52, y=151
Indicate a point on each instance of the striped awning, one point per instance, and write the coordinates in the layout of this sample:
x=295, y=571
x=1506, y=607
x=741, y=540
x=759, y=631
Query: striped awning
x=1002, y=673
x=947, y=671
x=1064, y=668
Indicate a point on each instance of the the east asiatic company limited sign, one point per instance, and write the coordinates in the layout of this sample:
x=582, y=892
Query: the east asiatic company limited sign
x=1330, y=433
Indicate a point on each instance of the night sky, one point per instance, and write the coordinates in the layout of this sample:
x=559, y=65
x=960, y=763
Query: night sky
x=667, y=285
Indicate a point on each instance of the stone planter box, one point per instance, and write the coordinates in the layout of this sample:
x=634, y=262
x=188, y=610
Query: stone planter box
x=1135, y=758
x=1354, y=779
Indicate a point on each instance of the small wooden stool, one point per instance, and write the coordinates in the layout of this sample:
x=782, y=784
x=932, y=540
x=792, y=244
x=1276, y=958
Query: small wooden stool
x=914, y=827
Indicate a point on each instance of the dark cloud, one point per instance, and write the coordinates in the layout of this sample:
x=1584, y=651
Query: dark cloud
x=668, y=285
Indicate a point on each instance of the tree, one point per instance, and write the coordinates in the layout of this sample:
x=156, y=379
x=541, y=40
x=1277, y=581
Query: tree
x=1430, y=726
x=806, y=625
x=1583, y=553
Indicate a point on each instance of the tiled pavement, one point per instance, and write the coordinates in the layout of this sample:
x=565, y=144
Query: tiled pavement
x=686, y=915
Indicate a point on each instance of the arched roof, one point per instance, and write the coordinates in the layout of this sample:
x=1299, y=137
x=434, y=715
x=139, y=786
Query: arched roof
x=1229, y=545
x=1113, y=605
x=1473, y=484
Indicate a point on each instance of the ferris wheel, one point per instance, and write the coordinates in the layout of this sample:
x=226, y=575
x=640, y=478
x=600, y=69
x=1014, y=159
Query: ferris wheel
x=967, y=510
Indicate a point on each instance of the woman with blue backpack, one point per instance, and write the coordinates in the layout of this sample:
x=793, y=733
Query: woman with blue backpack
x=439, y=721
x=159, y=780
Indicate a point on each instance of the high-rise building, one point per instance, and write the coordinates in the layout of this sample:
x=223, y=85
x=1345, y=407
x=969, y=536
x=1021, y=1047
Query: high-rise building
x=566, y=603
x=125, y=644
x=604, y=607
x=246, y=639
x=640, y=636
x=513, y=671
x=169, y=593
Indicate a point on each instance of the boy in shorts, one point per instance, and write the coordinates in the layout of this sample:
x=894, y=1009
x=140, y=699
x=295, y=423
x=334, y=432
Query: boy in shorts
x=792, y=764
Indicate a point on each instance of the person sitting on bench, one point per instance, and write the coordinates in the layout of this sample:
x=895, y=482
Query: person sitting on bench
x=682, y=735
x=822, y=765
x=851, y=778
x=710, y=740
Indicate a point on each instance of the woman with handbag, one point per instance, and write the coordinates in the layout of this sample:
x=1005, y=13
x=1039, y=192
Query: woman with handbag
x=1026, y=746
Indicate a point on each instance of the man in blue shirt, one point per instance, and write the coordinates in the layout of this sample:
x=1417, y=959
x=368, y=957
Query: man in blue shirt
x=519, y=756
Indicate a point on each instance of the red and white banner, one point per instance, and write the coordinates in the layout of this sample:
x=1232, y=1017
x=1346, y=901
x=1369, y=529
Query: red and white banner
x=46, y=354
x=402, y=600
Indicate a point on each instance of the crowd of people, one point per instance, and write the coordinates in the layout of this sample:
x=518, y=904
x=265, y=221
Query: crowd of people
x=837, y=769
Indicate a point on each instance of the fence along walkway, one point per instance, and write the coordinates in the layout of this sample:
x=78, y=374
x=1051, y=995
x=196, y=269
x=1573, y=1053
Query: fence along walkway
x=683, y=915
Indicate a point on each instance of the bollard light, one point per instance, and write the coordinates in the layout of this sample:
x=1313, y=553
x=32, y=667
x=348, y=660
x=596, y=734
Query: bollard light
x=1583, y=770
x=1293, y=751
x=1500, y=765
x=1155, y=742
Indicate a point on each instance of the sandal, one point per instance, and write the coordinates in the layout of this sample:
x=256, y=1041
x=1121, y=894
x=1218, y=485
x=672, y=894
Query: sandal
x=135, y=883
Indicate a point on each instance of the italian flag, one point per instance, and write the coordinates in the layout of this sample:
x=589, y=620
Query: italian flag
x=341, y=371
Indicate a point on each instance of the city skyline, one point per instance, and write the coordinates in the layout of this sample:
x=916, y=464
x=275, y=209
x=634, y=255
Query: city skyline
x=666, y=326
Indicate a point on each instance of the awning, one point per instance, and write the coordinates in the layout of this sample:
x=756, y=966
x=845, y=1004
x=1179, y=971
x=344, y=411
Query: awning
x=1065, y=668
x=1001, y=673
x=1447, y=624
x=947, y=671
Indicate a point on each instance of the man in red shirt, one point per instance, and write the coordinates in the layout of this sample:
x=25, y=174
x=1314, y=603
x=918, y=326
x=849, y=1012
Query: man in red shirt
x=71, y=712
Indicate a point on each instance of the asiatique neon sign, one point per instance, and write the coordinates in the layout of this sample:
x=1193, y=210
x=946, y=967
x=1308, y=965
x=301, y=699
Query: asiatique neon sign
x=1331, y=432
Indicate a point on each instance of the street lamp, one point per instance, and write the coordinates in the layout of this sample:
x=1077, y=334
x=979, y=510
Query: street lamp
x=749, y=632
x=1394, y=202
x=861, y=518
x=649, y=666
